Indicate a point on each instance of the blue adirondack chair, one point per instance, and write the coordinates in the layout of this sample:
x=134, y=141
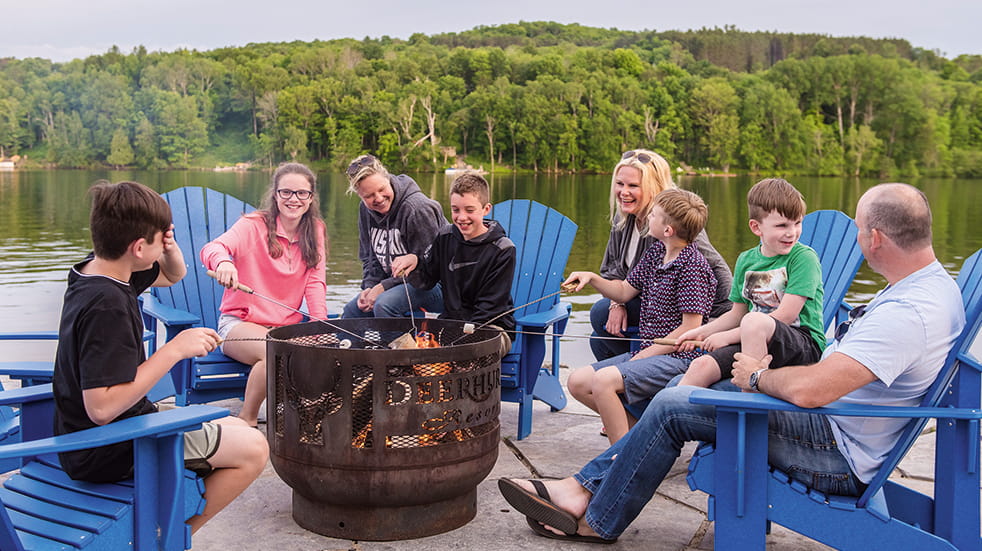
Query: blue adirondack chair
x=44, y=509
x=746, y=495
x=543, y=239
x=31, y=373
x=200, y=215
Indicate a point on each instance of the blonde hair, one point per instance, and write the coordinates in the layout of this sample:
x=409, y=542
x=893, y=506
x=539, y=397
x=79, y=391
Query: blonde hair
x=686, y=212
x=362, y=167
x=656, y=177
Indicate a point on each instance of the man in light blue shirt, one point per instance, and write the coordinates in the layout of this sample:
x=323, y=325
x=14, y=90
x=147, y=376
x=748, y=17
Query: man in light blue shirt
x=889, y=353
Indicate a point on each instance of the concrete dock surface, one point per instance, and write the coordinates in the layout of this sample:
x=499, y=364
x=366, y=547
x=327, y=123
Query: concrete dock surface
x=560, y=443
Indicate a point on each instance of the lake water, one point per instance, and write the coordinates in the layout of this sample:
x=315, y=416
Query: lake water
x=44, y=230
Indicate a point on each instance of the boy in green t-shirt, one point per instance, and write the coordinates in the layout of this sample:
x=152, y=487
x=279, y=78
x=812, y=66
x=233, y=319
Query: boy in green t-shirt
x=777, y=294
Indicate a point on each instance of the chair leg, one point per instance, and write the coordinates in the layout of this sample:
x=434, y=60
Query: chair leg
x=525, y=416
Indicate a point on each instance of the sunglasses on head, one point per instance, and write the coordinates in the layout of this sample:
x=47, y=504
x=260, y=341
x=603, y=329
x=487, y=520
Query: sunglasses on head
x=643, y=157
x=359, y=164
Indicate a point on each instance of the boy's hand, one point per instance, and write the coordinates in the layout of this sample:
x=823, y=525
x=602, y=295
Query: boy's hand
x=576, y=281
x=227, y=274
x=195, y=342
x=402, y=265
x=617, y=321
x=169, y=243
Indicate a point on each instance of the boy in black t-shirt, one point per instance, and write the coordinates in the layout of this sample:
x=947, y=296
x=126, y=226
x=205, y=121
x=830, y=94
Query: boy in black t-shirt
x=101, y=371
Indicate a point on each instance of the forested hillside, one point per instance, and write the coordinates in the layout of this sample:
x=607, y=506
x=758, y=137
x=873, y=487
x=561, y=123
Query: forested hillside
x=527, y=96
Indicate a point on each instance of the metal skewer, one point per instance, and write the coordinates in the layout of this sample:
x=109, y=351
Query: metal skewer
x=246, y=289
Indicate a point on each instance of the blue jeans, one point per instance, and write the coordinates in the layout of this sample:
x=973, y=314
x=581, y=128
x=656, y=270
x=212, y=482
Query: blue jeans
x=801, y=444
x=393, y=303
x=602, y=348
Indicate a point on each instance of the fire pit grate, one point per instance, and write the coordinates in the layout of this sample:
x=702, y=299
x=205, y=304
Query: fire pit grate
x=383, y=444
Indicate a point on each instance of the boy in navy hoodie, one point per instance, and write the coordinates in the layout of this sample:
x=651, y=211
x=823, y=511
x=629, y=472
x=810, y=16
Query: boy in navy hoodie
x=473, y=260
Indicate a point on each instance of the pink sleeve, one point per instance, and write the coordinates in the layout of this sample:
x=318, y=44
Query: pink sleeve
x=224, y=246
x=316, y=288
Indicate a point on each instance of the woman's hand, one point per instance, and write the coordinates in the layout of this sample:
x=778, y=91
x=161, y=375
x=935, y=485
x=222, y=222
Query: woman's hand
x=402, y=265
x=227, y=274
x=617, y=320
x=366, y=300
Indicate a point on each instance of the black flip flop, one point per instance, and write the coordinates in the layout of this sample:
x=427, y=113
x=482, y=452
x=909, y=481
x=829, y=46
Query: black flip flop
x=539, y=507
x=546, y=533
x=541, y=530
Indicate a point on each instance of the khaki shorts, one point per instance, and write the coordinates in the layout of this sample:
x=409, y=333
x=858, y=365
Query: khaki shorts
x=199, y=446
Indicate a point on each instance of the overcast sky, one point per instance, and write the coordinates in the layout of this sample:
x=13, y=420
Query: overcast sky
x=61, y=30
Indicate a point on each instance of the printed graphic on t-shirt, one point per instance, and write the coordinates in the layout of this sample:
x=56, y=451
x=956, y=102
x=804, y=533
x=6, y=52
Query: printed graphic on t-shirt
x=387, y=243
x=765, y=289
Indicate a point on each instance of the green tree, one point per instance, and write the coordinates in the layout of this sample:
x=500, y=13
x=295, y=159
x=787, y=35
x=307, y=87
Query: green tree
x=714, y=107
x=120, y=152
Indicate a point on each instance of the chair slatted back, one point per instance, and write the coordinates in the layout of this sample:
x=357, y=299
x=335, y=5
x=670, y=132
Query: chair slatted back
x=833, y=236
x=970, y=283
x=543, y=239
x=200, y=215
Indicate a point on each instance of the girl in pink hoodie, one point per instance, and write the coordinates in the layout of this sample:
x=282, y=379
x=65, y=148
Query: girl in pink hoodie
x=280, y=252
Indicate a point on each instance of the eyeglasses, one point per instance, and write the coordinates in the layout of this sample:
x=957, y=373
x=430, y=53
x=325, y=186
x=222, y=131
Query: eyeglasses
x=854, y=314
x=643, y=157
x=302, y=194
x=359, y=164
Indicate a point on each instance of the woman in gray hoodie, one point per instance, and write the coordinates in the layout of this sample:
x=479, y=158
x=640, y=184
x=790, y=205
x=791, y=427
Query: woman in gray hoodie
x=395, y=218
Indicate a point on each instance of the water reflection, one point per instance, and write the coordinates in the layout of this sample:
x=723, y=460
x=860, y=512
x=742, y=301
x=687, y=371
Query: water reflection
x=44, y=226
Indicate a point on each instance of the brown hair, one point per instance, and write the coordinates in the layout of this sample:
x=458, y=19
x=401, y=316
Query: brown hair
x=902, y=212
x=656, y=177
x=122, y=213
x=775, y=194
x=311, y=224
x=686, y=212
x=472, y=183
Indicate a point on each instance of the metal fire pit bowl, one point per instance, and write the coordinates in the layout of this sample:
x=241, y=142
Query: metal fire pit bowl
x=382, y=444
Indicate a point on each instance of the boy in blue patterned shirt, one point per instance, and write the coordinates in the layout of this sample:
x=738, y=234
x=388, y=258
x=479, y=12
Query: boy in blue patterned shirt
x=677, y=289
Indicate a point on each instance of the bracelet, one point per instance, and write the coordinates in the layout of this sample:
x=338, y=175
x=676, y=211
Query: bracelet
x=614, y=305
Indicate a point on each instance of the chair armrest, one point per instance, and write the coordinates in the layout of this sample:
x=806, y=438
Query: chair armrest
x=558, y=312
x=164, y=422
x=761, y=403
x=30, y=336
x=167, y=315
x=26, y=395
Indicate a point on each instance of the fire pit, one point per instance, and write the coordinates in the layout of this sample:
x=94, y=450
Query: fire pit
x=382, y=444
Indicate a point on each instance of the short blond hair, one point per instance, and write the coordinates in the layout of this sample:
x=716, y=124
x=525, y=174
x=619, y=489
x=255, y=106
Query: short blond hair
x=362, y=167
x=686, y=212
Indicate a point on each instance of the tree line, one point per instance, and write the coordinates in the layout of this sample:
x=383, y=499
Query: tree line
x=527, y=96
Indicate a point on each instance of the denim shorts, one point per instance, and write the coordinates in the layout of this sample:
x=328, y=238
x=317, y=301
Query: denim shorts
x=645, y=377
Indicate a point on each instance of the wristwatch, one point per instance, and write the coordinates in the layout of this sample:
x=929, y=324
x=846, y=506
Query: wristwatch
x=755, y=379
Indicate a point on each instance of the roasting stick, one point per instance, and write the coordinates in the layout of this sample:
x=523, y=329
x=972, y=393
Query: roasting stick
x=246, y=289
